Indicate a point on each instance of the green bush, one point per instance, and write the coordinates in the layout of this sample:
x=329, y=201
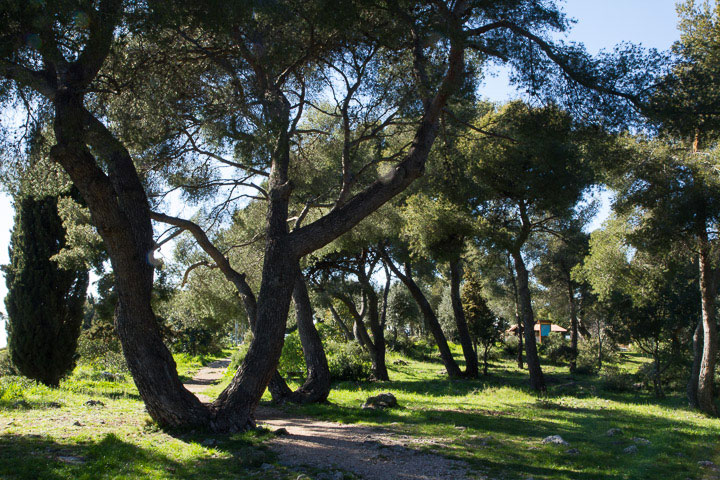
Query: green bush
x=556, y=349
x=510, y=347
x=6, y=366
x=101, y=352
x=348, y=361
x=292, y=361
x=616, y=380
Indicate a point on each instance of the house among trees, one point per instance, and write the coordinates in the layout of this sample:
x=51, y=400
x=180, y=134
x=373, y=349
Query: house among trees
x=542, y=330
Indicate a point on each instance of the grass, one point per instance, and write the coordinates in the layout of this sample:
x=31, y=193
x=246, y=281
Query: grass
x=495, y=424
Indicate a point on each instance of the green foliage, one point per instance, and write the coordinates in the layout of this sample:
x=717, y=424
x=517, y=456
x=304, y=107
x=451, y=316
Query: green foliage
x=44, y=301
x=6, y=366
x=485, y=327
x=348, y=361
x=556, y=349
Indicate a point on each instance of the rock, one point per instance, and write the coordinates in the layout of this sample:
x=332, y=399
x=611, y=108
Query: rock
x=642, y=441
x=71, y=459
x=209, y=442
x=383, y=400
x=54, y=405
x=632, y=449
x=573, y=451
x=555, y=439
x=77, y=423
x=613, y=432
x=706, y=464
x=281, y=431
x=94, y=403
x=400, y=362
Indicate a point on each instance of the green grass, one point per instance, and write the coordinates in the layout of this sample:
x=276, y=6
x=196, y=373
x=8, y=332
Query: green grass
x=496, y=424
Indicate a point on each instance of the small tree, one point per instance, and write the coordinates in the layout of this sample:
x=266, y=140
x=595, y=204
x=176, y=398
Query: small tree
x=485, y=327
x=44, y=301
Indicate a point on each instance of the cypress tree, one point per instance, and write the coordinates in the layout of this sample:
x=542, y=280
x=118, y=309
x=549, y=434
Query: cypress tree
x=44, y=301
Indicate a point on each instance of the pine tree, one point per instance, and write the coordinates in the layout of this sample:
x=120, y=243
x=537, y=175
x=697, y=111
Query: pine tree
x=44, y=301
x=485, y=327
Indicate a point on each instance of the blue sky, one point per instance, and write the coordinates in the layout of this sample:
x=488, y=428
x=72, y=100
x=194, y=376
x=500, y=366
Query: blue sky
x=601, y=24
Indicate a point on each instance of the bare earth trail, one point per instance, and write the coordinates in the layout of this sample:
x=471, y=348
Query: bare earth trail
x=368, y=452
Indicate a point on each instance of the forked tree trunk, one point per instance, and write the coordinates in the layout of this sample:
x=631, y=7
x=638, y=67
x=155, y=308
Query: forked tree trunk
x=537, y=380
x=705, y=390
x=471, y=360
x=316, y=387
x=429, y=316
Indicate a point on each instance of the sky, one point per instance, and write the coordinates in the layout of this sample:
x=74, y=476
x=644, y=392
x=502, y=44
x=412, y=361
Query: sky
x=600, y=25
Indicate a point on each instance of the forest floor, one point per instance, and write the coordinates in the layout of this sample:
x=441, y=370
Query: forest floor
x=94, y=427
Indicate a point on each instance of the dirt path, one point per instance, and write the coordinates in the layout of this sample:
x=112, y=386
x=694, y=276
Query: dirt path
x=368, y=452
x=206, y=376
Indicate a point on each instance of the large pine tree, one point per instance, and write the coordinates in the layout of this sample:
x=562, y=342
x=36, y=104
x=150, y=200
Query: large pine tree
x=44, y=301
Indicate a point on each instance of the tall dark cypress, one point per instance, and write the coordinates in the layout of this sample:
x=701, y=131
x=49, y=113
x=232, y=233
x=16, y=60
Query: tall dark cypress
x=44, y=301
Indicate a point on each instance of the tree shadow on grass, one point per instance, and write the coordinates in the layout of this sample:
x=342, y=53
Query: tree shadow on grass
x=34, y=457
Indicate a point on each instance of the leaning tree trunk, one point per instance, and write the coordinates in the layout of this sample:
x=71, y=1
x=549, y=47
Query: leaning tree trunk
x=377, y=358
x=120, y=211
x=471, y=360
x=705, y=391
x=692, y=386
x=429, y=316
x=317, y=384
x=377, y=353
x=537, y=380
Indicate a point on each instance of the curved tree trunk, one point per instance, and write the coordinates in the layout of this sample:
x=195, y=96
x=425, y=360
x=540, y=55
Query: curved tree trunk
x=317, y=384
x=705, y=389
x=120, y=211
x=471, y=360
x=429, y=316
x=537, y=380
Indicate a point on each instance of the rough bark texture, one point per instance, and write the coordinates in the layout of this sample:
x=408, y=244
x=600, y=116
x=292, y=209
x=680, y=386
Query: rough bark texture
x=120, y=211
x=471, y=360
x=316, y=387
x=518, y=318
x=705, y=390
x=537, y=380
x=429, y=316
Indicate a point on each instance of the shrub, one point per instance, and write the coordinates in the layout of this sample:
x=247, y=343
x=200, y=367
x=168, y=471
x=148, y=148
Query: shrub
x=510, y=347
x=292, y=361
x=616, y=380
x=348, y=361
x=97, y=351
x=556, y=349
x=6, y=366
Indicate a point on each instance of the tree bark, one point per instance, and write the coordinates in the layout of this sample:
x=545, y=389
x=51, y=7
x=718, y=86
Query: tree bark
x=429, y=315
x=705, y=391
x=120, y=211
x=537, y=380
x=471, y=360
x=316, y=387
x=517, y=317
x=346, y=331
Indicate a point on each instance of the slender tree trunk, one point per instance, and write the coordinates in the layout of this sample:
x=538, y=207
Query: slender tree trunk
x=485, y=359
x=429, y=316
x=573, y=327
x=705, y=392
x=537, y=380
x=657, y=381
x=346, y=331
x=471, y=363
x=692, y=386
x=377, y=353
x=518, y=318
x=317, y=383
